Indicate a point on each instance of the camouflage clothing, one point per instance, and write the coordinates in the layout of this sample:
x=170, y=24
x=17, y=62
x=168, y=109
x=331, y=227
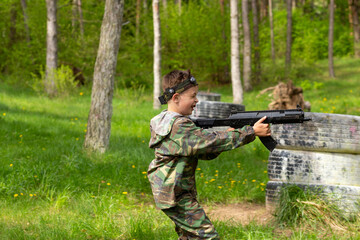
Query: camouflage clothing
x=178, y=144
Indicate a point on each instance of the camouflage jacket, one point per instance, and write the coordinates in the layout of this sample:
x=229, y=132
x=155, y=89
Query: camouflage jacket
x=178, y=144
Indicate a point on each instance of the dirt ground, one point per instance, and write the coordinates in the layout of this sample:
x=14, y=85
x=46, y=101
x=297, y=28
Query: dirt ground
x=243, y=213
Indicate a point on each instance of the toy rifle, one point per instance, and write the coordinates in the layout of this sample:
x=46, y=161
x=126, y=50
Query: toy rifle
x=238, y=120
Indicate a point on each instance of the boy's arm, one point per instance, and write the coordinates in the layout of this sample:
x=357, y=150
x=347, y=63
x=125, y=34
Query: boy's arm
x=192, y=140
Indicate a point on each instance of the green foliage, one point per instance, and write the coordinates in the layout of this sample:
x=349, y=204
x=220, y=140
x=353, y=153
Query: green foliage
x=307, y=207
x=64, y=80
x=308, y=85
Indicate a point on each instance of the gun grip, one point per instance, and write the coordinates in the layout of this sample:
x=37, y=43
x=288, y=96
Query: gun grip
x=268, y=142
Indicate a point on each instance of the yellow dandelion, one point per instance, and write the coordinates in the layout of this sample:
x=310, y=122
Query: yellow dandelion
x=108, y=184
x=324, y=99
x=144, y=172
x=350, y=91
x=34, y=194
x=212, y=180
x=262, y=189
x=43, y=149
x=35, y=176
x=220, y=187
x=21, y=194
x=85, y=130
x=31, y=195
x=262, y=184
x=81, y=93
x=11, y=165
x=217, y=171
x=4, y=114
x=265, y=171
x=143, y=141
x=93, y=196
x=125, y=193
x=254, y=180
x=206, y=182
x=77, y=139
x=76, y=119
x=254, y=149
x=16, y=195
x=20, y=135
x=198, y=169
x=133, y=166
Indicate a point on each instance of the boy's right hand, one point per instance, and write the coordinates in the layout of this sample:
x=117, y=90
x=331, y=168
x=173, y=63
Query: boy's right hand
x=262, y=129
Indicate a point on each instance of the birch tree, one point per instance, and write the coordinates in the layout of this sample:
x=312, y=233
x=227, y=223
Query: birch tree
x=51, y=48
x=257, y=61
x=235, y=54
x=99, y=121
x=331, y=39
x=271, y=31
x=288, y=37
x=354, y=22
x=157, y=54
x=247, y=46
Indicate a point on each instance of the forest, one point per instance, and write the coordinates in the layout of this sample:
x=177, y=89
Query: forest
x=194, y=35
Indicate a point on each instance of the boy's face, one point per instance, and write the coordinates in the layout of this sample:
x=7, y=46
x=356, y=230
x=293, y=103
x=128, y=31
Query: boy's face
x=187, y=101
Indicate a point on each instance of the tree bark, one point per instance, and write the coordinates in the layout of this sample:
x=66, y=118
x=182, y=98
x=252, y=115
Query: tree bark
x=26, y=20
x=137, y=20
x=157, y=53
x=256, y=42
x=99, y=121
x=235, y=54
x=81, y=18
x=51, y=48
x=247, y=46
x=271, y=31
x=331, y=39
x=354, y=23
x=288, y=37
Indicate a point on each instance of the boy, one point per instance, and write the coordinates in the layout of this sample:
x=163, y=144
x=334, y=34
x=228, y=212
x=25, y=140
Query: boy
x=178, y=144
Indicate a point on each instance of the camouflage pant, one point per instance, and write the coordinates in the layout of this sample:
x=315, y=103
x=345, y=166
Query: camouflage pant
x=190, y=220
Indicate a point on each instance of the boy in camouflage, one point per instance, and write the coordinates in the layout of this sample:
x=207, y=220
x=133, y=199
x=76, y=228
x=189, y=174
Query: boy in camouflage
x=178, y=144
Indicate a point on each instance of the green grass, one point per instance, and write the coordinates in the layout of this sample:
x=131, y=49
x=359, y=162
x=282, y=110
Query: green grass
x=51, y=189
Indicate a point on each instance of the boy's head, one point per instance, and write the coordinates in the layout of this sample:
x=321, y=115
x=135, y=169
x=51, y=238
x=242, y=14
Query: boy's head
x=180, y=90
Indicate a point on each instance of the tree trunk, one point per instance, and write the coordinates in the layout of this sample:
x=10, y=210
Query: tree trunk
x=99, y=121
x=235, y=54
x=288, y=38
x=137, y=20
x=157, y=53
x=331, y=38
x=256, y=42
x=81, y=18
x=271, y=31
x=51, y=48
x=263, y=10
x=26, y=20
x=354, y=23
x=247, y=46
x=225, y=77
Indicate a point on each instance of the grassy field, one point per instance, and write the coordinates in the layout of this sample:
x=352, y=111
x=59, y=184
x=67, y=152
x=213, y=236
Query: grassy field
x=51, y=189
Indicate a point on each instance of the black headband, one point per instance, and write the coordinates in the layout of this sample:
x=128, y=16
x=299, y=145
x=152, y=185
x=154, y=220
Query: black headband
x=181, y=87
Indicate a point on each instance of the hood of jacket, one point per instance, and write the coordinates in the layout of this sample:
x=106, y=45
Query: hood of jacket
x=161, y=125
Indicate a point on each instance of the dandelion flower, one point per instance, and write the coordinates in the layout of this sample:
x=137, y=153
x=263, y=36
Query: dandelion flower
x=21, y=194
x=125, y=193
x=133, y=166
x=4, y=114
x=11, y=165
x=31, y=195
x=325, y=99
x=81, y=93
x=198, y=169
x=76, y=119
x=254, y=180
x=77, y=139
x=220, y=187
x=21, y=136
x=16, y=195
x=144, y=172
x=108, y=184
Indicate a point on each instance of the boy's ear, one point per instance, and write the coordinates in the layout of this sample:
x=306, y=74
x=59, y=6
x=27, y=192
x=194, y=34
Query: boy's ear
x=175, y=98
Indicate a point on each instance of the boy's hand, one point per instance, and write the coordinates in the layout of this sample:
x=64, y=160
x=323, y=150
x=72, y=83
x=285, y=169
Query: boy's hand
x=262, y=129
